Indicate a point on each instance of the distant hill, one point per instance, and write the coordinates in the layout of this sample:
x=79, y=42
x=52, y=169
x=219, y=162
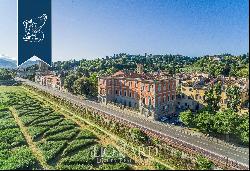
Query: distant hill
x=29, y=63
x=7, y=63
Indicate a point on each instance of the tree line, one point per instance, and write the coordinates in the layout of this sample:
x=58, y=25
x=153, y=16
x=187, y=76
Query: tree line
x=76, y=73
x=6, y=74
x=212, y=119
x=226, y=65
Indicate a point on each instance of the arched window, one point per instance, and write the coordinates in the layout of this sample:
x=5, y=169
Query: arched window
x=164, y=86
x=149, y=101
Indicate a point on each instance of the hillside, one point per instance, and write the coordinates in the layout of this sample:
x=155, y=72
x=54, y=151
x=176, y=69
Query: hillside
x=227, y=65
x=7, y=63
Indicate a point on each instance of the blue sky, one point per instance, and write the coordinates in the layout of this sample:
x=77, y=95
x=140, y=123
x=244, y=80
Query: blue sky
x=97, y=28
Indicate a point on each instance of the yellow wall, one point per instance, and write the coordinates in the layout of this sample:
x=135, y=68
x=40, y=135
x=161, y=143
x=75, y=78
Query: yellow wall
x=197, y=93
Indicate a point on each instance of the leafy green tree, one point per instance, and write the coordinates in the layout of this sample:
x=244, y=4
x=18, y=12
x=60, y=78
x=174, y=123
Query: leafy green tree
x=79, y=86
x=204, y=121
x=5, y=74
x=225, y=122
x=233, y=71
x=213, y=97
x=187, y=118
x=243, y=71
x=69, y=82
x=243, y=128
x=93, y=80
x=84, y=86
x=233, y=95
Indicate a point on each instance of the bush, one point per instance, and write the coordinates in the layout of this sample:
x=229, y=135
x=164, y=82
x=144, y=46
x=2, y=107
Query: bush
x=13, y=137
x=86, y=156
x=117, y=166
x=138, y=135
x=66, y=135
x=58, y=129
x=78, y=145
x=203, y=163
x=85, y=134
x=159, y=166
x=36, y=131
x=51, y=149
x=18, y=158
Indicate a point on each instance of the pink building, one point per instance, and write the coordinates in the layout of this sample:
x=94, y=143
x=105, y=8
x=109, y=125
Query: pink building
x=154, y=95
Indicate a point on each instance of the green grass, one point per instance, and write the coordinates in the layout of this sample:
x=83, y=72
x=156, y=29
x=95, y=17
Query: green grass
x=14, y=152
x=20, y=158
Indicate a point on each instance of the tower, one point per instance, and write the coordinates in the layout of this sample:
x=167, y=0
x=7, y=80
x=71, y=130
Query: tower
x=43, y=67
x=139, y=68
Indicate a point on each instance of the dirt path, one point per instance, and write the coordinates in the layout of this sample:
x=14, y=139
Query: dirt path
x=37, y=153
x=108, y=139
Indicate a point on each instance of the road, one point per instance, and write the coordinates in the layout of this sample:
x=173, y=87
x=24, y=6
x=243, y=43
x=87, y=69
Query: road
x=215, y=148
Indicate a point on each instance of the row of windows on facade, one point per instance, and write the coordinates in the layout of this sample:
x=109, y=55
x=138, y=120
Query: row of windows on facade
x=164, y=99
x=135, y=94
x=149, y=98
x=160, y=100
x=197, y=97
x=167, y=107
x=150, y=87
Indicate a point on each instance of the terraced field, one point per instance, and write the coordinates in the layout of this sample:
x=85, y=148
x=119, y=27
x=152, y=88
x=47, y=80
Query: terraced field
x=35, y=136
x=14, y=151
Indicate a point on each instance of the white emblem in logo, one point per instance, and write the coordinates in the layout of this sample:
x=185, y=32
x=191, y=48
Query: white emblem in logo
x=33, y=28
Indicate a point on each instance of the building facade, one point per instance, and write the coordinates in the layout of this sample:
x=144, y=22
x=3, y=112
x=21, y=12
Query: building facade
x=153, y=95
x=47, y=78
x=51, y=81
x=192, y=93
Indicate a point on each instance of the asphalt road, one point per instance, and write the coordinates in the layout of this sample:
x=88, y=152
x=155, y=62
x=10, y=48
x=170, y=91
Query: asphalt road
x=219, y=149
